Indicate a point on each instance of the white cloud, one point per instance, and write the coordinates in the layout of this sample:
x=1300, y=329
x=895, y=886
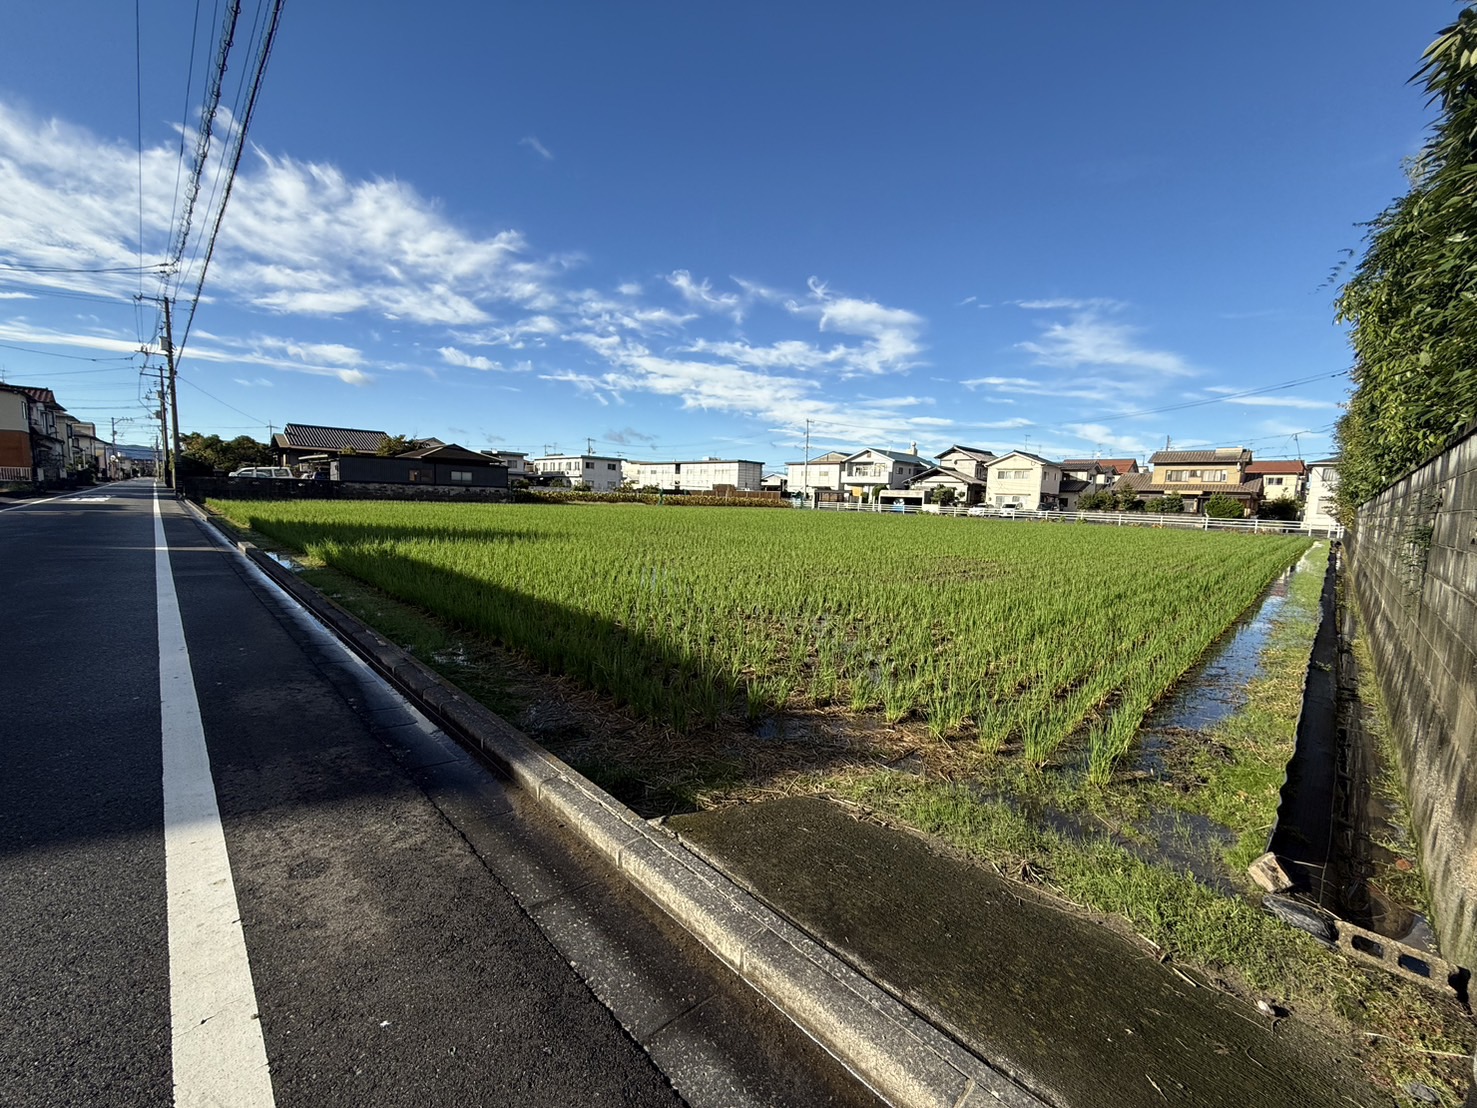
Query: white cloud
x=255, y=383
x=1088, y=340
x=533, y=144
x=700, y=294
x=1091, y=304
x=1106, y=439
x=1283, y=402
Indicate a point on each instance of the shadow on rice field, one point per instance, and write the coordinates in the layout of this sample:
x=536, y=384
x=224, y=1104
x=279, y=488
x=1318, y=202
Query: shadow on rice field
x=1158, y=838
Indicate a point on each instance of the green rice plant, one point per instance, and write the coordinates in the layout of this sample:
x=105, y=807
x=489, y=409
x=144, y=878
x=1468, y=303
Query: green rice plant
x=692, y=616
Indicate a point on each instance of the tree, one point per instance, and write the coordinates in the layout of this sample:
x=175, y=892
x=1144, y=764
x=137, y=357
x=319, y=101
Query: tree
x=1222, y=506
x=1283, y=508
x=206, y=453
x=395, y=445
x=1412, y=300
x=1170, y=504
x=942, y=495
x=1100, y=500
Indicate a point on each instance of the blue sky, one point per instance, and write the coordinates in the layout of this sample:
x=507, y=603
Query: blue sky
x=682, y=230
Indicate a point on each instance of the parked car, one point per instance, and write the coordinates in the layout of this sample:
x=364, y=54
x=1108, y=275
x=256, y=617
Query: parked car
x=272, y=472
x=982, y=510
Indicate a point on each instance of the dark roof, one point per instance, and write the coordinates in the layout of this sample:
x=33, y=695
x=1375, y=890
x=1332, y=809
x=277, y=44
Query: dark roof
x=894, y=455
x=1074, y=484
x=971, y=451
x=945, y=471
x=305, y=436
x=1026, y=454
x=1293, y=465
x=449, y=452
x=1201, y=457
x=1119, y=466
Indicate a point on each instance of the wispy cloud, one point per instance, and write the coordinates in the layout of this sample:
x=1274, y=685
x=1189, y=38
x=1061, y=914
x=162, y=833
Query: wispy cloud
x=1106, y=438
x=1088, y=340
x=539, y=148
x=1283, y=402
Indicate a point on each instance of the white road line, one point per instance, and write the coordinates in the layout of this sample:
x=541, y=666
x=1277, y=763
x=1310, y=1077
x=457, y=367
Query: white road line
x=218, y=1054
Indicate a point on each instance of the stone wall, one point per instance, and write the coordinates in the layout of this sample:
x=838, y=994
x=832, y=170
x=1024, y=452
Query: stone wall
x=1413, y=569
x=199, y=489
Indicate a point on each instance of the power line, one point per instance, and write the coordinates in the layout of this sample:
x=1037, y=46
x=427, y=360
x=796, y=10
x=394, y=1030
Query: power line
x=71, y=357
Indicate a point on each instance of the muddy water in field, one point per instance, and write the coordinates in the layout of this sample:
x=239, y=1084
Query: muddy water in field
x=1216, y=687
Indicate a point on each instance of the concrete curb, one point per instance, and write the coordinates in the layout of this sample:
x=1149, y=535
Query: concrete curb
x=899, y=1055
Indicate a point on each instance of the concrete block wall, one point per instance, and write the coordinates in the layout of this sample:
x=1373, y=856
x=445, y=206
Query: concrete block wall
x=1412, y=558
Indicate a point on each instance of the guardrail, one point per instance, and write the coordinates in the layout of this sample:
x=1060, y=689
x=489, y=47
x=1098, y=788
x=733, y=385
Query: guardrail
x=1108, y=519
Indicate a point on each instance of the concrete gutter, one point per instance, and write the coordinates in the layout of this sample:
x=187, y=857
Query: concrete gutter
x=895, y=1052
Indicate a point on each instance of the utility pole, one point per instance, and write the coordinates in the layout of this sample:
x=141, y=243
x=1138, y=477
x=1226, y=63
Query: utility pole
x=806, y=483
x=173, y=399
x=589, y=446
x=160, y=469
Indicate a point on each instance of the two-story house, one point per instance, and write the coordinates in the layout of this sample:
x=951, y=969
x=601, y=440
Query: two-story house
x=820, y=476
x=963, y=469
x=1024, y=480
x=1197, y=475
x=1099, y=473
x=1323, y=483
x=595, y=472
x=15, y=435
x=45, y=426
x=702, y=475
x=872, y=468
x=1284, y=478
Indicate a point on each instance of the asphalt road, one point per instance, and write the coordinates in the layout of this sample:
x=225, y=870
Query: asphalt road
x=414, y=931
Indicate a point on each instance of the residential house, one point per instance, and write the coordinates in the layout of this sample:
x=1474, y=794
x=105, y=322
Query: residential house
x=968, y=460
x=298, y=441
x=818, y=477
x=1282, y=479
x=46, y=433
x=870, y=468
x=1023, y=480
x=445, y=464
x=1100, y=473
x=15, y=435
x=1323, y=483
x=775, y=482
x=596, y=472
x=515, y=460
x=703, y=475
x=1197, y=475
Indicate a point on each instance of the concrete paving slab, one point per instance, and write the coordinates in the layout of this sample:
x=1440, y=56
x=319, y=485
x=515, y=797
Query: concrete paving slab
x=1064, y=1006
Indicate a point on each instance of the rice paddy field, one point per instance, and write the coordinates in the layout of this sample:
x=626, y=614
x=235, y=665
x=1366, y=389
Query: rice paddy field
x=1034, y=637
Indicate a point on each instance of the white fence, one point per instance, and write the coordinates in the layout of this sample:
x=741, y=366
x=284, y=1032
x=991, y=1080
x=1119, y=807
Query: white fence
x=15, y=473
x=1108, y=519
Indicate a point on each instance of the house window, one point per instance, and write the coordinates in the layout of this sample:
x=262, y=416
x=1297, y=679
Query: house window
x=1208, y=476
x=609, y=465
x=421, y=476
x=464, y=476
x=589, y=465
x=1274, y=480
x=1013, y=474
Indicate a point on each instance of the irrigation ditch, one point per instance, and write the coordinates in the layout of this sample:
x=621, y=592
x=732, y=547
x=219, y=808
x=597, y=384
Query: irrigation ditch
x=1160, y=847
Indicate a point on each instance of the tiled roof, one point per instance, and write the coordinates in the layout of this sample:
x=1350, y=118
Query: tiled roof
x=1025, y=454
x=1143, y=484
x=894, y=455
x=1200, y=457
x=304, y=436
x=971, y=452
x=41, y=395
x=1294, y=465
x=1074, y=484
x=829, y=459
x=448, y=452
x=945, y=471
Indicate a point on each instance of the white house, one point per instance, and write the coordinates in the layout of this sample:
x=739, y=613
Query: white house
x=968, y=460
x=515, y=460
x=822, y=473
x=702, y=475
x=1323, y=482
x=1022, y=480
x=594, y=471
x=892, y=469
